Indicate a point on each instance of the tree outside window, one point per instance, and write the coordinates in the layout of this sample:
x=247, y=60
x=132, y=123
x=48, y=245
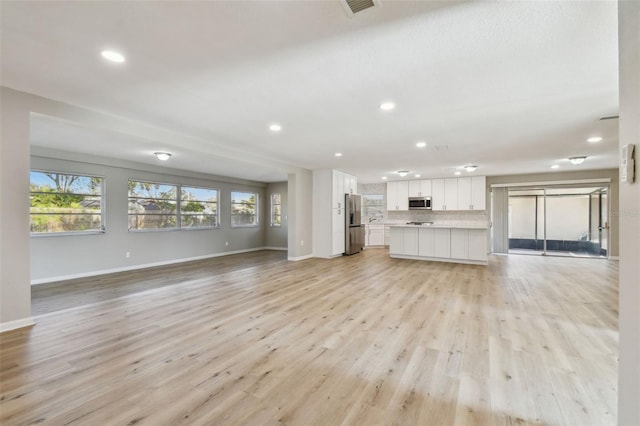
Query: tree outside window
x=152, y=205
x=244, y=208
x=198, y=207
x=62, y=202
x=276, y=209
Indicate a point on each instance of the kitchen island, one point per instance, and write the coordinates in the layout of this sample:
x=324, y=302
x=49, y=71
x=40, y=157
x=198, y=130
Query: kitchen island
x=440, y=243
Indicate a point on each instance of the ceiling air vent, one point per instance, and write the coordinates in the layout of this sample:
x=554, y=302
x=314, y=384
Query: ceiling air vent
x=356, y=6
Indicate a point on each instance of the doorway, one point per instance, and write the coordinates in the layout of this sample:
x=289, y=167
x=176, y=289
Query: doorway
x=559, y=221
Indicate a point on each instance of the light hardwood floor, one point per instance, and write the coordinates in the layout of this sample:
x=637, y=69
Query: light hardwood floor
x=362, y=340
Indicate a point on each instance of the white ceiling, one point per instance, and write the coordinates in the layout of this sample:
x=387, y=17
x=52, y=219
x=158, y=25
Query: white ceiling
x=512, y=87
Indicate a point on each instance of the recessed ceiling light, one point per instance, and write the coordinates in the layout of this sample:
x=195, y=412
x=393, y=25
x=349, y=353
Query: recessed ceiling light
x=113, y=56
x=384, y=178
x=164, y=156
x=275, y=127
x=457, y=173
x=417, y=175
x=387, y=106
x=338, y=154
x=594, y=139
x=577, y=160
x=470, y=168
x=421, y=144
x=555, y=166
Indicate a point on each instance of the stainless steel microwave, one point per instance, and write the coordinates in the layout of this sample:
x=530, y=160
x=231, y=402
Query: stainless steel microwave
x=419, y=203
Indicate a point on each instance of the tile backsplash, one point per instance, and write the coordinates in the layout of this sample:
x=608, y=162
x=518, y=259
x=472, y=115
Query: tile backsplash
x=453, y=217
x=457, y=217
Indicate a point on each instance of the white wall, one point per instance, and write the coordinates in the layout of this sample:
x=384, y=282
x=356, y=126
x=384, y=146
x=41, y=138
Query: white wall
x=629, y=217
x=300, y=229
x=276, y=236
x=58, y=257
x=522, y=217
x=567, y=217
x=15, y=293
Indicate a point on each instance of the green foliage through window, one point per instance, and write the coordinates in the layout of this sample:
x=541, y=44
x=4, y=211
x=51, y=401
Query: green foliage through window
x=373, y=205
x=244, y=208
x=152, y=205
x=62, y=202
x=276, y=209
x=198, y=207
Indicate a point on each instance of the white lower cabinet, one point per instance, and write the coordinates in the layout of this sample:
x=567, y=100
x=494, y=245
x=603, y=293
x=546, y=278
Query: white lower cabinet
x=338, y=232
x=374, y=235
x=425, y=243
x=442, y=243
x=459, y=244
x=477, y=244
x=404, y=241
x=469, y=244
x=410, y=241
x=449, y=244
x=395, y=241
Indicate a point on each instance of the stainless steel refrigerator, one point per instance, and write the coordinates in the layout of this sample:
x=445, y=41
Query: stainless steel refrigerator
x=354, y=229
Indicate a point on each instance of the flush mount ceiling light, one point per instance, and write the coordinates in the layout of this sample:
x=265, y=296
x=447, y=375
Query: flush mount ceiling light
x=555, y=166
x=403, y=173
x=163, y=156
x=594, y=139
x=577, y=160
x=387, y=106
x=275, y=127
x=470, y=168
x=113, y=56
x=338, y=154
x=421, y=144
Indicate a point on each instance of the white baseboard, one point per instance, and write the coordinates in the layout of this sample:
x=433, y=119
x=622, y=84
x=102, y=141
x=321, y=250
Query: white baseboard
x=276, y=248
x=14, y=325
x=614, y=258
x=144, y=265
x=297, y=258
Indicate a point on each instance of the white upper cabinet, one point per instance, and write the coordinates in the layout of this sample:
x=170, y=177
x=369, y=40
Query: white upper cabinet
x=437, y=194
x=350, y=184
x=472, y=193
x=479, y=193
x=398, y=195
x=338, y=190
x=420, y=188
x=465, y=193
x=451, y=194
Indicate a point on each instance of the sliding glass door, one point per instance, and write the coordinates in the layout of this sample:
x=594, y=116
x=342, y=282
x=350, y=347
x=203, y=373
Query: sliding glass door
x=561, y=221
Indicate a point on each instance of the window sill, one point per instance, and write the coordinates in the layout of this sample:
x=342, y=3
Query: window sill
x=65, y=234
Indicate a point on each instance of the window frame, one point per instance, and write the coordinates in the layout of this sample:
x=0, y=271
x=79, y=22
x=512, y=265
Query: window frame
x=256, y=215
x=177, y=213
x=271, y=211
x=195, y=228
x=103, y=227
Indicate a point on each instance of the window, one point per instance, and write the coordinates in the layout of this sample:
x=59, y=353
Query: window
x=198, y=207
x=276, y=209
x=372, y=206
x=244, y=208
x=152, y=205
x=62, y=202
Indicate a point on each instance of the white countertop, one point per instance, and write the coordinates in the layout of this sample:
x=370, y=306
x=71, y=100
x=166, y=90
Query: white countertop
x=435, y=225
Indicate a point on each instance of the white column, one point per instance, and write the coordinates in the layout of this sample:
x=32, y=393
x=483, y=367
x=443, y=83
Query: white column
x=629, y=216
x=15, y=290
